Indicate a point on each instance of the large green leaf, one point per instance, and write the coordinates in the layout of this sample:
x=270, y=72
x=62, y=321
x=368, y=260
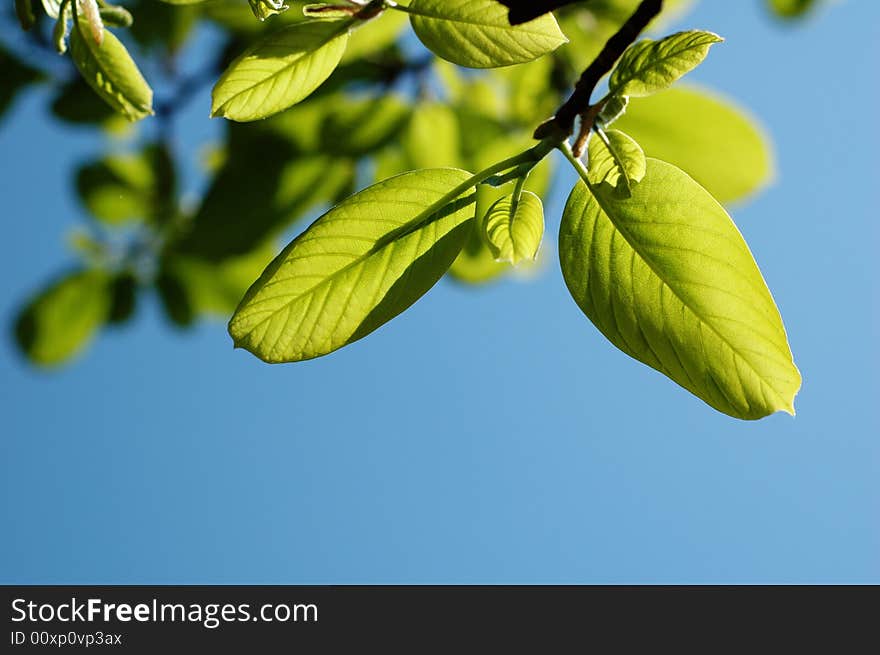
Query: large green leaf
x=355, y=268
x=477, y=34
x=711, y=139
x=59, y=322
x=280, y=70
x=651, y=66
x=515, y=228
x=111, y=72
x=667, y=278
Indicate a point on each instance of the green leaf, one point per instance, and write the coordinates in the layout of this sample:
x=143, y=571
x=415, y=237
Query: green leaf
x=357, y=267
x=477, y=34
x=280, y=70
x=60, y=322
x=620, y=163
x=215, y=288
x=358, y=126
x=432, y=137
x=650, y=66
x=666, y=276
x=710, y=138
x=121, y=188
x=514, y=230
x=791, y=8
x=111, y=72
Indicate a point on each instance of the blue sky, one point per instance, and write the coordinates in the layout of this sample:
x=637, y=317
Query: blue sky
x=486, y=435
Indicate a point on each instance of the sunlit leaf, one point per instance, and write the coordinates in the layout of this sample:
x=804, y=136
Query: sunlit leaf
x=111, y=72
x=620, y=163
x=651, y=66
x=477, y=34
x=666, y=276
x=355, y=268
x=515, y=227
x=279, y=70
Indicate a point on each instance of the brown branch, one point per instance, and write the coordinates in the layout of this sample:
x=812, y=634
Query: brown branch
x=578, y=104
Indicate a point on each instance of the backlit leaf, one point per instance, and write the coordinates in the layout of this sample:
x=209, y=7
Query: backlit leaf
x=650, y=66
x=355, y=268
x=477, y=34
x=279, y=70
x=666, y=276
x=514, y=229
x=111, y=72
x=621, y=168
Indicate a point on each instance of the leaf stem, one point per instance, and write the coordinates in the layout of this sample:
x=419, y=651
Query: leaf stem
x=577, y=164
x=578, y=104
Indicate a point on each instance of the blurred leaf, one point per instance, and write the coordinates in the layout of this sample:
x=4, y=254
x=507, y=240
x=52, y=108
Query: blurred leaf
x=708, y=137
x=666, y=276
x=357, y=267
x=432, y=137
x=216, y=288
x=111, y=72
x=121, y=188
x=263, y=187
x=515, y=228
x=76, y=103
x=477, y=34
x=791, y=8
x=358, y=126
x=123, y=296
x=15, y=78
x=59, y=322
x=279, y=70
x=647, y=66
x=174, y=298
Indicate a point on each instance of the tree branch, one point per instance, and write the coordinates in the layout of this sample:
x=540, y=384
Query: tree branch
x=578, y=104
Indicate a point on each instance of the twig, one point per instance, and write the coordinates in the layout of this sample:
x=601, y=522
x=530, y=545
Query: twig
x=578, y=104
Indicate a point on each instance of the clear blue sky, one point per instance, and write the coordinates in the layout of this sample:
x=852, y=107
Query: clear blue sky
x=485, y=436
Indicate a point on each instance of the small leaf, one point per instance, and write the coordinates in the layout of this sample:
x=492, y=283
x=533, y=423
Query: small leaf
x=116, y=16
x=650, y=66
x=111, y=72
x=708, y=137
x=666, y=276
x=59, y=31
x=357, y=267
x=621, y=165
x=477, y=34
x=60, y=322
x=52, y=8
x=280, y=70
x=264, y=8
x=614, y=108
x=514, y=229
